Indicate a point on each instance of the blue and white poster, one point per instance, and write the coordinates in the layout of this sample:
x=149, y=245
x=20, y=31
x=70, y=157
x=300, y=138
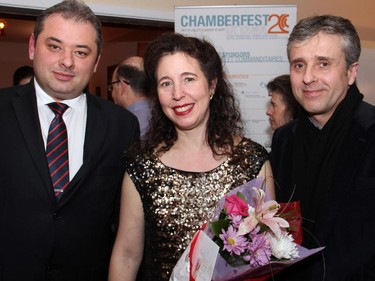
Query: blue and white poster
x=251, y=41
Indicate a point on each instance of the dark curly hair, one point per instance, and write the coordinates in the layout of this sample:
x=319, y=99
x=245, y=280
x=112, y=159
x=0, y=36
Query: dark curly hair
x=224, y=122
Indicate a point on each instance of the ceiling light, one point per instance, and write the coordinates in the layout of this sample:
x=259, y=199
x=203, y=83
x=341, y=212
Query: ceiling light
x=3, y=25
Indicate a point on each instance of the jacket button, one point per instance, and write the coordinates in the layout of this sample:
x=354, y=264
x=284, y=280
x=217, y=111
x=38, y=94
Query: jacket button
x=56, y=216
x=49, y=269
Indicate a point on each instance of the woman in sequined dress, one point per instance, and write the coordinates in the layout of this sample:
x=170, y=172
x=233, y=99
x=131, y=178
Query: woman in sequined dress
x=193, y=154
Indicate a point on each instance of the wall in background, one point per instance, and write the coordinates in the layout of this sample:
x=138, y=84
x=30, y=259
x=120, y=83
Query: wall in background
x=366, y=81
x=111, y=55
x=13, y=55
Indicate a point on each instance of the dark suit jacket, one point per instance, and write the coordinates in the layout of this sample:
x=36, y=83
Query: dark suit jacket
x=348, y=227
x=41, y=239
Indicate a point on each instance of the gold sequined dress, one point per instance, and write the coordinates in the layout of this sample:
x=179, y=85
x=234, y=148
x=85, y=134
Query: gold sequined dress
x=177, y=203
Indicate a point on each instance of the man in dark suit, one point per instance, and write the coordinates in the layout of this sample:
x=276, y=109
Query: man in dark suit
x=50, y=231
x=326, y=159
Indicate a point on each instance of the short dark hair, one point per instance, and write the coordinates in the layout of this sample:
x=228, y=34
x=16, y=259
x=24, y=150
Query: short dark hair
x=71, y=9
x=224, y=122
x=136, y=77
x=282, y=85
x=21, y=73
x=309, y=27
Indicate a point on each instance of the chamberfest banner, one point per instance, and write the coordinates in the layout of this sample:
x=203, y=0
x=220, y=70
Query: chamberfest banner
x=251, y=40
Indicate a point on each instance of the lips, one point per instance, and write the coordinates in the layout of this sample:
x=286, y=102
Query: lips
x=311, y=93
x=64, y=76
x=183, y=109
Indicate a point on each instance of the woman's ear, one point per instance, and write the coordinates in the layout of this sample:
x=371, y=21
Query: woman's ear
x=213, y=85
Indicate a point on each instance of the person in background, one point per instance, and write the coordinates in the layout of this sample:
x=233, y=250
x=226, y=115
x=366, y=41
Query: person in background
x=283, y=106
x=23, y=75
x=130, y=89
x=326, y=158
x=193, y=154
x=61, y=156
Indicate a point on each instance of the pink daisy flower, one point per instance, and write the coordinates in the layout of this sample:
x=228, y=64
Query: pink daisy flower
x=236, y=220
x=259, y=250
x=233, y=243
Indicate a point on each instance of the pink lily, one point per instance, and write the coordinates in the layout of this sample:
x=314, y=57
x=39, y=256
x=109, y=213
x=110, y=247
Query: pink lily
x=264, y=213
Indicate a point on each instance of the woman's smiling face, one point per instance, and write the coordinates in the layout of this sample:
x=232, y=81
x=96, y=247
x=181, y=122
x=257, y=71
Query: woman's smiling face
x=183, y=91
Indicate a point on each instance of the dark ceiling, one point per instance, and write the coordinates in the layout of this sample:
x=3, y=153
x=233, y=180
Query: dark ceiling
x=20, y=24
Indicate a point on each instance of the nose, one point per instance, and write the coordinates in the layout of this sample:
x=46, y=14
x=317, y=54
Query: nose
x=309, y=76
x=67, y=59
x=269, y=110
x=178, y=92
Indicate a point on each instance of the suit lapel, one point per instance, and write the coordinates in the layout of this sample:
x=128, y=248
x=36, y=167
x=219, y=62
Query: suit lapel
x=25, y=108
x=96, y=130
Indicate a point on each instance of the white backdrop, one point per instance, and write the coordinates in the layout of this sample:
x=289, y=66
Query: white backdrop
x=251, y=41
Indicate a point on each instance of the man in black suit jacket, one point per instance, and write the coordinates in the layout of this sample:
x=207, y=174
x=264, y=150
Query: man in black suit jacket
x=43, y=237
x=326, y=159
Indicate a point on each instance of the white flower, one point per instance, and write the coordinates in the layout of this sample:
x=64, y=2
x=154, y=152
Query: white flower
x=251, y=210
x=283, y=247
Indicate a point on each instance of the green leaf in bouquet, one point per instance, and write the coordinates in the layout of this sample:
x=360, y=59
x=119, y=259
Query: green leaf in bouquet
x=263, y=228
x=218, y=225
x=223, y=215
x=240, y=195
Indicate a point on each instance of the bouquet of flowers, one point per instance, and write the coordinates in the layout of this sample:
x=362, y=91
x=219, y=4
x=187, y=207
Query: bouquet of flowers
x=247, y=235
x=252, y=233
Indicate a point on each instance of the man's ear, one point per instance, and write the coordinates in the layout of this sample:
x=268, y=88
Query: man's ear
x=123, y=86
x=352, y=73
x=97, y=62
x=32, y=46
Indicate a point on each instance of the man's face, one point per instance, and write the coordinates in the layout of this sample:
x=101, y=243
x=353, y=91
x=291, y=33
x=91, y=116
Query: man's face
x=65, y=56
x=319, y=76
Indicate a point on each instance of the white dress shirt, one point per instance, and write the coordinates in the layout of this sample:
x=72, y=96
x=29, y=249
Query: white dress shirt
x=75, y=120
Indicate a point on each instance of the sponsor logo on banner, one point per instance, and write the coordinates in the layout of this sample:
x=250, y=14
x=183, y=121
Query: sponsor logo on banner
x=238, y=26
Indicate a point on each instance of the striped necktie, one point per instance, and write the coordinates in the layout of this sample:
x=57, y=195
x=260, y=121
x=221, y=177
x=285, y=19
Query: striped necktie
x=57, y=150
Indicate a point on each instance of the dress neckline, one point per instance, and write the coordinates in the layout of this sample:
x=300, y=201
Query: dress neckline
x=224, y=163
x=158, y=161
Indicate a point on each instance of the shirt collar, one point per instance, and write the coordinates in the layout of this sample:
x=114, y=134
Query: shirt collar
x=43, y=98
x=314, y=123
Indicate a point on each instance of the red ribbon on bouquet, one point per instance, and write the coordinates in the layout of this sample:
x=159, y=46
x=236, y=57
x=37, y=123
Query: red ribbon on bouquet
x=192, y=246
x=291, y=212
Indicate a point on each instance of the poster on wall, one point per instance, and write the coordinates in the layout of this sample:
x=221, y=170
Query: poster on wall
x=251, y=40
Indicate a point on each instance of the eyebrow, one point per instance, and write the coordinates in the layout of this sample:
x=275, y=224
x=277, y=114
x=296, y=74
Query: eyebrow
x=182, y=74
x=162, y=78
x=51, y=38
x=319, y=58
x=316, y=58
x=297, y=60
x=189, y=73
